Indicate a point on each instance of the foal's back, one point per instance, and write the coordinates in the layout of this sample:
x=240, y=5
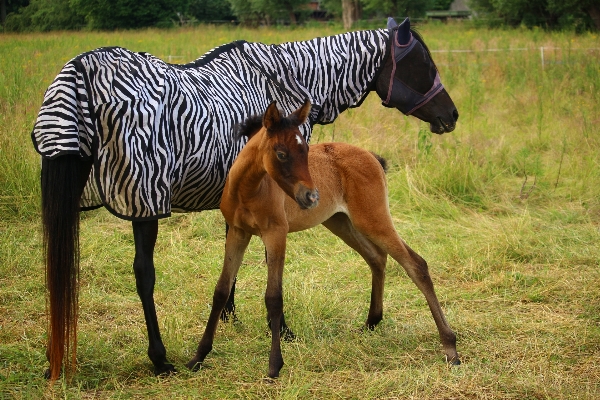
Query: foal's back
x=348, y=178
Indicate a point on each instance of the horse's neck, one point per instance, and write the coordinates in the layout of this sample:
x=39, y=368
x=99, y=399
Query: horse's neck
x=338, y=71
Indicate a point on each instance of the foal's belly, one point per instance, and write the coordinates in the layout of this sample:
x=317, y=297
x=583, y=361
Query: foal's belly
x=299, y=219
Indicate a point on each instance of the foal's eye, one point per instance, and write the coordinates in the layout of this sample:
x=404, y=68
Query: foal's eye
x=281, y=156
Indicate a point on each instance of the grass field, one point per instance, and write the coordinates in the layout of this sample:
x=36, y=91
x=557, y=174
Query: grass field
x=505, y=209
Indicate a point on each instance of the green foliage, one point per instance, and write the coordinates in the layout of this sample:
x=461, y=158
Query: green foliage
x=399, y=8
x=333, y=7
x=45, y=15
x=442, y=4
x=570, y=14
x=128, y=14
x=255, y=12
x=210, y=10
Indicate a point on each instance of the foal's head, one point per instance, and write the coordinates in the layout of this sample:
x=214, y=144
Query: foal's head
x=285, y=154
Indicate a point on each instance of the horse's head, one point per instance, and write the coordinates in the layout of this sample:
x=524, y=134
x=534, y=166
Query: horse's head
x=410, y=82
x=286, y=154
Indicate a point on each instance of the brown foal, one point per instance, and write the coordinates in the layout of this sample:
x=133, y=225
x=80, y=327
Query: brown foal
x=269, y=192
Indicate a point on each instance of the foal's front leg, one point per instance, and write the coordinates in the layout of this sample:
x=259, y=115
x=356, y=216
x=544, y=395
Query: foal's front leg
x=235, y=245
x=275, y=244
x=144, y=235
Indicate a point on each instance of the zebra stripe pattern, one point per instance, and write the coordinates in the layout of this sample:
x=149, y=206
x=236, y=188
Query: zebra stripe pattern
x=161, y=136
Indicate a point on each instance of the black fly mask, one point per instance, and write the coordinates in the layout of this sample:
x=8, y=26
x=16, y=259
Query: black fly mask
x=404, y=46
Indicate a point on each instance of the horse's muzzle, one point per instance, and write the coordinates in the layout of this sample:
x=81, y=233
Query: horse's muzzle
x=307, y=198
x=442, y=126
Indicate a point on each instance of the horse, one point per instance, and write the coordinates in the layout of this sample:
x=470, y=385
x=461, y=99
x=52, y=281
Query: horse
x=278, y=185
x=140, y=137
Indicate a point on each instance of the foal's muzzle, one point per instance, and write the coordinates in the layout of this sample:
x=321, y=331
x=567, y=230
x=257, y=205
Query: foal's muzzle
x=307, y=198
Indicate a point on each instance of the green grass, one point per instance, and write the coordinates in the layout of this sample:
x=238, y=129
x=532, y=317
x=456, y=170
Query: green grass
x=515, y=264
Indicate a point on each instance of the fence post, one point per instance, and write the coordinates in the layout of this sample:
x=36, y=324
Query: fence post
x=542, y=56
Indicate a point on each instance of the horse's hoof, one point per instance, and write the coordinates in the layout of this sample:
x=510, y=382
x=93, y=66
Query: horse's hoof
x=165, y=370
x=47, y=374
x=194, y=365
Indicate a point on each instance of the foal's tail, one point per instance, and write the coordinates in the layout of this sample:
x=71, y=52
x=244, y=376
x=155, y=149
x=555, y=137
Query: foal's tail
x=382, y=162
x=61, y=191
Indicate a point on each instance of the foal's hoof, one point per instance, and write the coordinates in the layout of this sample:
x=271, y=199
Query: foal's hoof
x=164, y=370
x=453, y=361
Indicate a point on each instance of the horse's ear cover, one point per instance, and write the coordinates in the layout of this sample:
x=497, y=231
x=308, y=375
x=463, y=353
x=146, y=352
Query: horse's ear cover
x=403, y=34
x=391, y=24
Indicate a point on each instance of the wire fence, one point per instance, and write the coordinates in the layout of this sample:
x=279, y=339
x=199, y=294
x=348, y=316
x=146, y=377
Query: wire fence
x=548, y=54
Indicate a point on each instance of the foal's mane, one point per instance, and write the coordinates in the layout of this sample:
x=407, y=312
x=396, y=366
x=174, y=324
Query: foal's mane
x=249, y=127
x=252, y=125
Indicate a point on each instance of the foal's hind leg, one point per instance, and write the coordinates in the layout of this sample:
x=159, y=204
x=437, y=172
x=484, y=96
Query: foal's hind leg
x=229, y=310
x=144, y=234
x=375, y=257
x=235, y=245
x=377, y=225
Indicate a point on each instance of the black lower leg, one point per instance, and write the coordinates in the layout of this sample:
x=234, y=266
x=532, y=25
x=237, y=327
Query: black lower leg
x=229, y=310
x=144, y=234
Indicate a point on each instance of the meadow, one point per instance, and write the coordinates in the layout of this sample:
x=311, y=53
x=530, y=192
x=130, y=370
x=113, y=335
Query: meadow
x=505, y=209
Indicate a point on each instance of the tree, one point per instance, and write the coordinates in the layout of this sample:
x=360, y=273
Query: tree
x=399, y=8
x=577, y=14
x=254, y=12
x=350, y=12
x=127, y=14
x=10, y=6
x=210, y=10
x=45, y=15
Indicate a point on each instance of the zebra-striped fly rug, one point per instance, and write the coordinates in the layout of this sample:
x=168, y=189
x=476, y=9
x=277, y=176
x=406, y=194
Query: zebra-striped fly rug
x=161, y=135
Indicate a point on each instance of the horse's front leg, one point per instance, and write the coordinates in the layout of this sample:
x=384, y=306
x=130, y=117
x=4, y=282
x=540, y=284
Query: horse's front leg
x=275, y=245
x=235, y=245
x=144, y=235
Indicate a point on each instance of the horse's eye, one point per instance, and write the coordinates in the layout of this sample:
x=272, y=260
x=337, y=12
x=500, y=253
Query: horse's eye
x=281, y=156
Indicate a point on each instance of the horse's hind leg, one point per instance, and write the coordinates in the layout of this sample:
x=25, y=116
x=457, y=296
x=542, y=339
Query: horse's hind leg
x=375, y=257
x=144, y=235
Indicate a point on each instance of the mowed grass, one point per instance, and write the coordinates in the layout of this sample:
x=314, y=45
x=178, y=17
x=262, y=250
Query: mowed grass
x=506, y=211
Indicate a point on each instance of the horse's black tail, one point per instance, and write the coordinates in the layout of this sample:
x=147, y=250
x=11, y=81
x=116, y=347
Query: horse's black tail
x=61, y=190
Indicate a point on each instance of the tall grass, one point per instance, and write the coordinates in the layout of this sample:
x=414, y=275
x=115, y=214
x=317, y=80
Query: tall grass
x=505, y=209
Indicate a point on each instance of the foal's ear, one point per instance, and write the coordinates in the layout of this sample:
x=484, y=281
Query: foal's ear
x=272, y=116
x=300, y=115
